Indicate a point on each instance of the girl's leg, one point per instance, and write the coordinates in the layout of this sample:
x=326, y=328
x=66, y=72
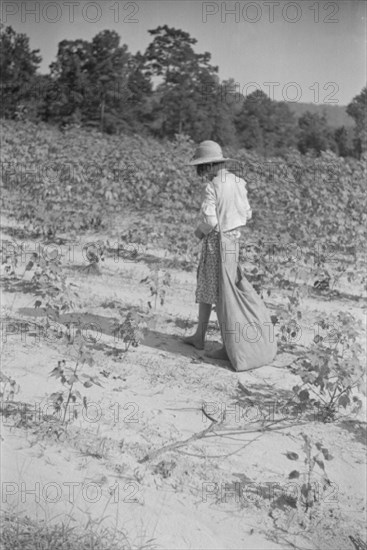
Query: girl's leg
x=198, y=339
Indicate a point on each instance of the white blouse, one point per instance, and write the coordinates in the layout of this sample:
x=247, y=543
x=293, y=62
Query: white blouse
x=239, y=208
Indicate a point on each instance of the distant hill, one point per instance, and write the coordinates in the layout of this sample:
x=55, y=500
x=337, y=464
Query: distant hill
x=336, y=115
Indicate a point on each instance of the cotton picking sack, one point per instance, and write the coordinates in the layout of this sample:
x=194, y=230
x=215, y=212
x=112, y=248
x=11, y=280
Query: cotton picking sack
x=245, y=324
x=246, y=327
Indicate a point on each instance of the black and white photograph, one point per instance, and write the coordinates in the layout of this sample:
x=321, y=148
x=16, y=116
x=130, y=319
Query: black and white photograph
x=183, y=274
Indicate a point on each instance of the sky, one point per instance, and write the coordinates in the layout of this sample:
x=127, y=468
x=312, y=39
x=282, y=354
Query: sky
x=308, y=51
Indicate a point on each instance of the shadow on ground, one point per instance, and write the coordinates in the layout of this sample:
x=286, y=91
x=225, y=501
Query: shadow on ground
x=20, y=285
x=93, y=326
x=357, y=429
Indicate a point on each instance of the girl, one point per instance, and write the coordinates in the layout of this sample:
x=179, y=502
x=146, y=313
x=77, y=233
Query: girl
x=226, y=192
x=245, y=324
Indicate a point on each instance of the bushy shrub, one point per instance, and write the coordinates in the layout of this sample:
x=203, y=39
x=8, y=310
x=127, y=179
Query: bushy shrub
x=75, y=179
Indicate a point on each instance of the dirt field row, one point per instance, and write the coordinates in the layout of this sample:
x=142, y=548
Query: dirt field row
x=152, y=452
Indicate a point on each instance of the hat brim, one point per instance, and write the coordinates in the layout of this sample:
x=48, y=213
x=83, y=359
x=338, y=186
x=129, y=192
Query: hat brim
x=212, y=160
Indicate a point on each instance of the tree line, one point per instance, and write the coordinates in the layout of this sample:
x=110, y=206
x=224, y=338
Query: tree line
x=167, y=90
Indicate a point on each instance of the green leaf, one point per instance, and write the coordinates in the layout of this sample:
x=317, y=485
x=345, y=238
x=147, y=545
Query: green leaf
x=344, y=400
x=56, y=372
x=326, y=453
x=304, y=395
x=291, y=455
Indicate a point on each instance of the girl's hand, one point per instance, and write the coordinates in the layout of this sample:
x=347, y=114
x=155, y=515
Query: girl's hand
x=198, y=233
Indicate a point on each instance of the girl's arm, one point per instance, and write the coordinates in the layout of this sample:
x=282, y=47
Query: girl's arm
x=208, y=210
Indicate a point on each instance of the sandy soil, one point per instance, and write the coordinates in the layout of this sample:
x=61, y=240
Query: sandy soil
x=213, y=492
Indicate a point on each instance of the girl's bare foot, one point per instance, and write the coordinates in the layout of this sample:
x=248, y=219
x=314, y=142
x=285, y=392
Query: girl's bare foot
x=218, y=354
x=194, y=341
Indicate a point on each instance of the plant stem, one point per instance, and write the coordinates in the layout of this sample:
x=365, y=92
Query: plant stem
x=70, y=393
x=294, y=283
x=332, y=398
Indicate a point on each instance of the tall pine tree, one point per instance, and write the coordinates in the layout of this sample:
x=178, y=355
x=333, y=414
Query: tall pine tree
x=18, y=66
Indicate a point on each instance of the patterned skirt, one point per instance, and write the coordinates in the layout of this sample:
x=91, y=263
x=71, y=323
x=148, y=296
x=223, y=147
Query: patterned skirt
x=207, y=290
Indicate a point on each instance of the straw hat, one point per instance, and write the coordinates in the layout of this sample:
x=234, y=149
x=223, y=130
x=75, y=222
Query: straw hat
x=208, y=152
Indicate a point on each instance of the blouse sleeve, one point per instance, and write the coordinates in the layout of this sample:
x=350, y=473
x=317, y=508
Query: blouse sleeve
x=247, y=206
x=208, y=209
